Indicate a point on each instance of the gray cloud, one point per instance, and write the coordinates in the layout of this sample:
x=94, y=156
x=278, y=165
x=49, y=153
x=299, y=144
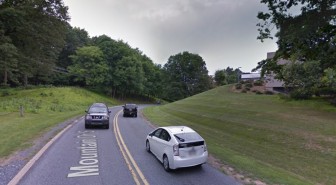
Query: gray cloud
x=223, y=32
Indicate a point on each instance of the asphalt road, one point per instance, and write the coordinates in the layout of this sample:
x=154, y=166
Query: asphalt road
x=113, y=156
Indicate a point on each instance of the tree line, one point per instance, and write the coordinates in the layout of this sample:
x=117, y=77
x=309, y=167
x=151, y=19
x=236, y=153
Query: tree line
x=306, y=31
x=39, y=46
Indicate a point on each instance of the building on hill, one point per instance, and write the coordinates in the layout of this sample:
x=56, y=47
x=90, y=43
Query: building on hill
x=250, y=76
x=273, y=84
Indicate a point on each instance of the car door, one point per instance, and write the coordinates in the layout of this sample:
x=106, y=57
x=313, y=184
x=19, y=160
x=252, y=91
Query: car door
x=154, y=145
x=163, y=144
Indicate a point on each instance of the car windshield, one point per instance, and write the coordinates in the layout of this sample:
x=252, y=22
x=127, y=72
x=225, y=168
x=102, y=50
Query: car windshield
x=187, y=137
x=97, y=110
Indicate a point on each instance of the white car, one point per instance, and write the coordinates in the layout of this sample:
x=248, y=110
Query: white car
x=177, y=147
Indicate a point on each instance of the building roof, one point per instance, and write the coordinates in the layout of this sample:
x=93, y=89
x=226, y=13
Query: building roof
x=250, y=76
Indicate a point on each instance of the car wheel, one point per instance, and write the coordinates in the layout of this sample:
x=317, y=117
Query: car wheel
x=124, y=115
x=107, y=126
x=87, y=126
x=147, y=146
x=136, y=115
x=166, y=163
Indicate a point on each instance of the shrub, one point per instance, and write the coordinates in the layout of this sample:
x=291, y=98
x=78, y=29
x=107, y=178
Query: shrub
x=5, y=93
x=244, y=91
x=258, y=92
x=333, y=102
x=301, y=94
x=248, y=85
x=258, y=83
x=238, y=86
x=269, y=92
x=247, y=89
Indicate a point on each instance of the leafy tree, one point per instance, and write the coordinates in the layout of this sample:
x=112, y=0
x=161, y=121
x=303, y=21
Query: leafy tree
x=306, y=32
x=303, y=77
x=8, y=58
x=37, y=29
x=186, y=75
x=220, y=77
x=89, y=65
x=75, y=38
x=129, y=75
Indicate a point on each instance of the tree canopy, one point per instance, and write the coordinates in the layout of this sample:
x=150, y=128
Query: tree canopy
x=305, y=30
x=186, y=75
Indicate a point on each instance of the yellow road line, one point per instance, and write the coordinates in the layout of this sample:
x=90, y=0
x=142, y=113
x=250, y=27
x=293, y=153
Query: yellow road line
x=123, y=149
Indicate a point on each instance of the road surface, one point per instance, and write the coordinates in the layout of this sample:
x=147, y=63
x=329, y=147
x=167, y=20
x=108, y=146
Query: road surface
x=112, y=156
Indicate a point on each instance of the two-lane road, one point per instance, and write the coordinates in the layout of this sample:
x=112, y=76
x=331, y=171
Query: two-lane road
x=111, y=156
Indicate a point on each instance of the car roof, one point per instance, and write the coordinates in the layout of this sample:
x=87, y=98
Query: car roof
x=178, y=129
x=98, y=105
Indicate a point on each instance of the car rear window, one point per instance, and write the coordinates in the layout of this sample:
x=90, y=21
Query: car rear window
x=188, y=137
x=132, y=106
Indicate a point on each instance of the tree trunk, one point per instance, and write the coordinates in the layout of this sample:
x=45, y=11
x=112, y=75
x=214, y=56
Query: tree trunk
x=5, y=76
x=25, y=80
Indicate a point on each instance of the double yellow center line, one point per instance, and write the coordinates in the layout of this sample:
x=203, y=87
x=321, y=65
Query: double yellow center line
x=138, y=177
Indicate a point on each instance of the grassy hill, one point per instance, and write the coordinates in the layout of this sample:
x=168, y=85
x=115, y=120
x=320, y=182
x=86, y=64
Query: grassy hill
x=262, y=136
x=43, y=109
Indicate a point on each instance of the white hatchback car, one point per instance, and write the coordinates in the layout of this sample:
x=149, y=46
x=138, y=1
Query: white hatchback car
x=177, y=147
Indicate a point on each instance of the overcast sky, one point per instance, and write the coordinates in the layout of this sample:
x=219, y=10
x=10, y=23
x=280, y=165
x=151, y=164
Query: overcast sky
x=222, y=32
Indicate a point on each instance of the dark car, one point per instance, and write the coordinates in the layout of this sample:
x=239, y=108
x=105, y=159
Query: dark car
x=97, y=115
x=130, y=110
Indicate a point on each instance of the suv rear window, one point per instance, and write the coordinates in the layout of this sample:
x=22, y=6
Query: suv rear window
x=130, y=106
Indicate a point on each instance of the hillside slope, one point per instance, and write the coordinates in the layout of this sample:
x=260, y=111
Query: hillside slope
x=262, y=136
x=43, y=109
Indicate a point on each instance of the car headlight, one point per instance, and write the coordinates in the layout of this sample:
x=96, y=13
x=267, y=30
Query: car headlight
x=105, y=117
x=88, y=117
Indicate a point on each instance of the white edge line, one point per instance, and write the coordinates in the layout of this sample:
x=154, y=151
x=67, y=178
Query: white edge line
x=32, y=161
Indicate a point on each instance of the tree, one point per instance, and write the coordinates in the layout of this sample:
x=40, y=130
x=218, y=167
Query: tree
x=186, y=75
x=303, y=78
x=306, y=32
x=37, y=29
x=8, y=58
x=89, y=66
x=220, y=77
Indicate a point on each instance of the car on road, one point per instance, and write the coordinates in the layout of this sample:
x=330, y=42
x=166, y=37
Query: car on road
x=130, y=110
x=177, y=147
x=97, y=114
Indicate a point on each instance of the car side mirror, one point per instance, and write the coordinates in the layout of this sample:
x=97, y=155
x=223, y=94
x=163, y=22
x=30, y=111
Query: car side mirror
x=86, y=111
x=109, y=111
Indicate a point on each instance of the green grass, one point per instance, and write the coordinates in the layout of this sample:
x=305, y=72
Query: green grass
x=43, y=109
x=277, y=141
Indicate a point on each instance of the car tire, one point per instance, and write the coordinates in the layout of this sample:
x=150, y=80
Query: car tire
x=87, y=126
x=136, y=115
x=147, y=146
x=166, y=163
x=107, y=126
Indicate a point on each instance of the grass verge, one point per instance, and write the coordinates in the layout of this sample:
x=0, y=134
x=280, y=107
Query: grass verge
x=43, y=109
x=265, y=137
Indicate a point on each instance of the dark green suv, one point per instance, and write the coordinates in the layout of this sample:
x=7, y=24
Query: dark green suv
x=130, y=110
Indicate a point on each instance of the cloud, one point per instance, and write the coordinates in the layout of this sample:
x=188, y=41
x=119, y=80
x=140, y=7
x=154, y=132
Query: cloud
x=223, y=32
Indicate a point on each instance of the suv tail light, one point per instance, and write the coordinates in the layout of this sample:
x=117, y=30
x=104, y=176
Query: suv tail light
x=176, y=150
